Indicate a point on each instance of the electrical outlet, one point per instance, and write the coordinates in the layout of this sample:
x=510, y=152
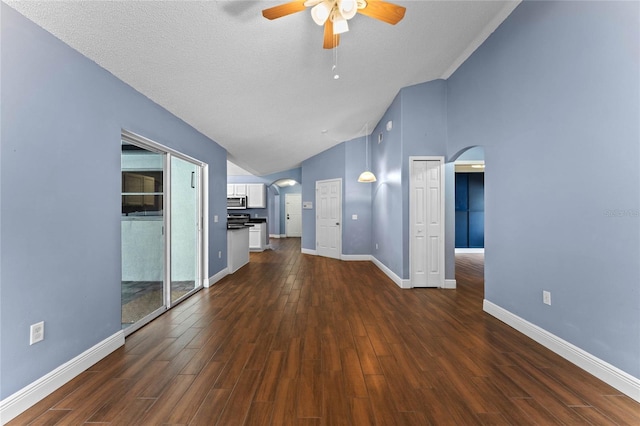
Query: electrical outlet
x=36, y=333
x=354, y=217
x=546, y=297
x=219, y=255
x=215, y=218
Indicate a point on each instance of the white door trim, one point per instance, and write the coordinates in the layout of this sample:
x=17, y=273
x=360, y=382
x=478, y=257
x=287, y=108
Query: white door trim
x=412, y=201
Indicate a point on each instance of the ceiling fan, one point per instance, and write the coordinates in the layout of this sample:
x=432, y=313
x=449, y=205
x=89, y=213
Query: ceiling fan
x=334, y=14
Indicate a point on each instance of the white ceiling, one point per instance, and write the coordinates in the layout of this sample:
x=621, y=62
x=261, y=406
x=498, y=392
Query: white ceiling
x=262, y=89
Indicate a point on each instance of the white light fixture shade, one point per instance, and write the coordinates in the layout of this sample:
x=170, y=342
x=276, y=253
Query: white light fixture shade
x=367, y=177
x=340, y=24
x=320, y=12
x=347, y=8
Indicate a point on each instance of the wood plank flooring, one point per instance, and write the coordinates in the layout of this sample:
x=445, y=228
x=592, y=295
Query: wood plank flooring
x=292, y=339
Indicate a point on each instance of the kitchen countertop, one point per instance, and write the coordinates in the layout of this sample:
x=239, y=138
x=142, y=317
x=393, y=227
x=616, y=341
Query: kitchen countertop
x=235, y=227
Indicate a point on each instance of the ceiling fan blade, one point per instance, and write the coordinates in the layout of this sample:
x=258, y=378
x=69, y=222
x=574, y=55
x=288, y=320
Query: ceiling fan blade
x=284, y=9
x=330, y=40
x=383, y=11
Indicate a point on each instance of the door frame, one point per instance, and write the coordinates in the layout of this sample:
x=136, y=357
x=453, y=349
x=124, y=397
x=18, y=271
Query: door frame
x=412, y=201
x=203, y=223
x=340, y=213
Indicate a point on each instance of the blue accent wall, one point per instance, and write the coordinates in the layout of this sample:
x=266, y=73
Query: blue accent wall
x=553, y=97
x=60, y=182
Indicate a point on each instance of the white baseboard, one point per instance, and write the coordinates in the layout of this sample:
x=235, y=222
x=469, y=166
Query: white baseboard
x=217, y=277
x=388, y=272
x=450, y=284
x=308, y=251
x=15, y=404
x=469, y=250
x=606, y=372
x=355, y=257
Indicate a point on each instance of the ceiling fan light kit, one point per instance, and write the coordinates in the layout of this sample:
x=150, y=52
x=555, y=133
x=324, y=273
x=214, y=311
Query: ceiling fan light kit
x=334, y=14
x=320, y=12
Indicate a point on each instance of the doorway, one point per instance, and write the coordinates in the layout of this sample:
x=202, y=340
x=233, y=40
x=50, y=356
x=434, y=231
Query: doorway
x=329, y=218
x=163, y=229
x=426, y=221
x=469, y=200
x=293, y=215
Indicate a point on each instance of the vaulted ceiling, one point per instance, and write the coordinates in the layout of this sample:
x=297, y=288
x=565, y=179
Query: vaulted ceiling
x=265, y=90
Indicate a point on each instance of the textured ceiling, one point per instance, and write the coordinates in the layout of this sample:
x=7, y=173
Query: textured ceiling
x=262, y=89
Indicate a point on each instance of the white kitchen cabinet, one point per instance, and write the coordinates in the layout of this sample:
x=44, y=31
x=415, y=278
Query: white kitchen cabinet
x=236, y=189
x=257, y=237
x=256, y=196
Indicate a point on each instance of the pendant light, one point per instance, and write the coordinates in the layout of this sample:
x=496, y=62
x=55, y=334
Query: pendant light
x=367, y=176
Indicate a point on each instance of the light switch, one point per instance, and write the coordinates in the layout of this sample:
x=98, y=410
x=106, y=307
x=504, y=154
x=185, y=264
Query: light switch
x=215, y=217
x=354, y=217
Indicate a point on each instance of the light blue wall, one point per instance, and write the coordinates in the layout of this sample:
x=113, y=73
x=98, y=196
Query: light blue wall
x=61, y=118
x=357, y=199
x=475, y=153
x=329, y=164
x=424, y=132
x=553, y=96
x=387, y=201
x=344, y=161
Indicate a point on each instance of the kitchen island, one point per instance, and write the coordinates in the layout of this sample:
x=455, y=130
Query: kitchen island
x=237, y=247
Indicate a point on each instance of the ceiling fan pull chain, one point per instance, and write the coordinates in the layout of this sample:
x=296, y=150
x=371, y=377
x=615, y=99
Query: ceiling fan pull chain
x=336, y=76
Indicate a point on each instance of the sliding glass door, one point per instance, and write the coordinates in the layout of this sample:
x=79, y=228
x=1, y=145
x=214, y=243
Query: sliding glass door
x=142, y=225
x=185, y=228
x=162, y=229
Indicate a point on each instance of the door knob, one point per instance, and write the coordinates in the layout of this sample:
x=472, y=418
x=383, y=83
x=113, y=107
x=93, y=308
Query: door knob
x=338, y=223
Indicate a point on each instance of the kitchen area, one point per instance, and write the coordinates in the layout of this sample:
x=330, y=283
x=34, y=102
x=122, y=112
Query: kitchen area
x=245, y=232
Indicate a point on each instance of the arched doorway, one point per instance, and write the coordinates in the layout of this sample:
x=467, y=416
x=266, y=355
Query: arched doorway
x=286, y=208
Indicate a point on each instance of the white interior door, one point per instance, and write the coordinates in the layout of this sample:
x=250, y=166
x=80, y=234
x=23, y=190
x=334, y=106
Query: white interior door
x=427, y=222
x=293, y=215
x=329, y=218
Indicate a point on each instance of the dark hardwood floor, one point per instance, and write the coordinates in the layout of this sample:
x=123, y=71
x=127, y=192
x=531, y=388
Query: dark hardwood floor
x=292, y=339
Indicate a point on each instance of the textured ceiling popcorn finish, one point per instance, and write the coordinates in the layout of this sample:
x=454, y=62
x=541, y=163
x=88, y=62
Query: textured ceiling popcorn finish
x=262, y=89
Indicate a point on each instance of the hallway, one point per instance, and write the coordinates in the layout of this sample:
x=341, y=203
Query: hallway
x=293, y=339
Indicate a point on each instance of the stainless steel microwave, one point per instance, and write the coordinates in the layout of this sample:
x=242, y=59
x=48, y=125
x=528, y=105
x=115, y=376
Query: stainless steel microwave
x=237, y=202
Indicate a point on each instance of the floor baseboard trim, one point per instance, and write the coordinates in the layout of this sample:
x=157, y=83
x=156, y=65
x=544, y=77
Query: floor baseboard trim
x=25, y=398
x=308, y=251
x=469, y=250
x=388, y=272
x=355, y=257
x=450, y=284
x=217, y=277
x=606, y=372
